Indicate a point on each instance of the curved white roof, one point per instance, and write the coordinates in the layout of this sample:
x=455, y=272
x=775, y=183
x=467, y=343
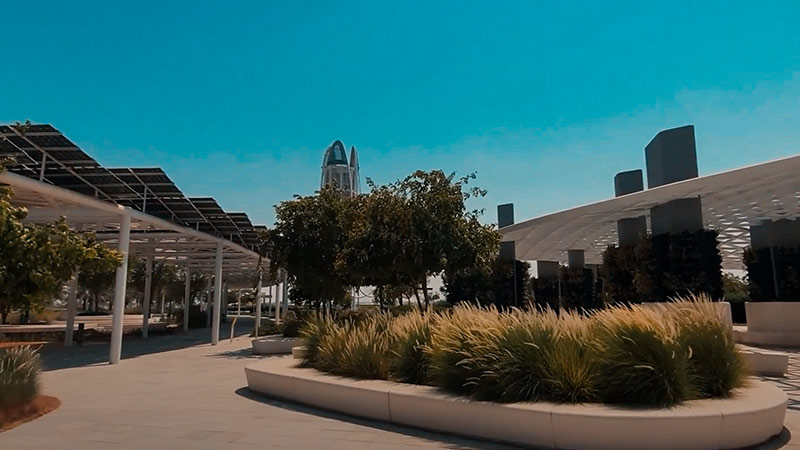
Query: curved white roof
x=731, y=201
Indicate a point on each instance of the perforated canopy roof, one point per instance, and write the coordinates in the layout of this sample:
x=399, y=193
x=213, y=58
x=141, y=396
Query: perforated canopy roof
x=731, y=200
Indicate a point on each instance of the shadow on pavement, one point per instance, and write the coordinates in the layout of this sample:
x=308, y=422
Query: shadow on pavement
x=448, y=440
x=55, y=356
x=244, y=353
x=776, y=442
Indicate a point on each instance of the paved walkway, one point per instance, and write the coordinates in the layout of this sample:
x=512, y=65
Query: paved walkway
x=178, y=392
x=190, y=398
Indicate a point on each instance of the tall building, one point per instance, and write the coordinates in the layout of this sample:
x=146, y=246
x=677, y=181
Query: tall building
x=340, y=172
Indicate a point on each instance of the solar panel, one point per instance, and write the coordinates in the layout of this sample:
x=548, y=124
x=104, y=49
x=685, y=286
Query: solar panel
x=146, y=189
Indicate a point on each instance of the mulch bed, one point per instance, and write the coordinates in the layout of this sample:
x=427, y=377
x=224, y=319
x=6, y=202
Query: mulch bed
x=37, y=407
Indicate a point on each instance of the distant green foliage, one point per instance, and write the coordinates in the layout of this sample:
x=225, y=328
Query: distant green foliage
x=19, y=375
x=762, y=277
x=663, y=266
x=654, y=356
x=735, y=288
x=493, y=284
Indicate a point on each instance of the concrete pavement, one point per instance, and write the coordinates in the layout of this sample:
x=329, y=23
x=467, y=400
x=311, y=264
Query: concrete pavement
x=191, y=398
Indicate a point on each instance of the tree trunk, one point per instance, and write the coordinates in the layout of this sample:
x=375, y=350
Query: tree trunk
x=425, y=293
x=416, y=294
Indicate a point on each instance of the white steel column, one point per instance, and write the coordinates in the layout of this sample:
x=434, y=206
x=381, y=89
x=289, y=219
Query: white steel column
x=187, y=299
x=258, y=304
x=278, y=301
x=209, y=301
x=217, y=296
x=148, y=288
x=270, y=298
x=120, y=284
x=72, y=305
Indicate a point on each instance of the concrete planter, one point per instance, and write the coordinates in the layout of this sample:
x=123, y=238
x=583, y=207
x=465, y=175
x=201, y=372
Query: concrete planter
x=274, y=344
x=752, y=416
x=765, y=362
x=772, y=324
x=298, y=352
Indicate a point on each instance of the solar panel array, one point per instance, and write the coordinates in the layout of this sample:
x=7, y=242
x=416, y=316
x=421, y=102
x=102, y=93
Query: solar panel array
x=43, y=153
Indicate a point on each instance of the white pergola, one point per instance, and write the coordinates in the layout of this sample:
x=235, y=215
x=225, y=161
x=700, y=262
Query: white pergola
x=134, y=232
x=732, y=201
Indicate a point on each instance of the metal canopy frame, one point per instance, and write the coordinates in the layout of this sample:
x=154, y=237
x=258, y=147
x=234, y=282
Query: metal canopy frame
x=44, y=154
x=731, y=200
x=150, y=236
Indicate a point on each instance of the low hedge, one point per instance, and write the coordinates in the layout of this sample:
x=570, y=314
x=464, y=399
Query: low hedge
x=619, y=355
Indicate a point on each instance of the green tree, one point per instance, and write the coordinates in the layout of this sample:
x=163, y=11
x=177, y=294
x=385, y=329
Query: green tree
x=308, y=236
x=442, y=235
x=97, y=274
x=36, y=260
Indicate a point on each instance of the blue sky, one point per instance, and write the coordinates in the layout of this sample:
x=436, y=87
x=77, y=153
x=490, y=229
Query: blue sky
x=545, y=100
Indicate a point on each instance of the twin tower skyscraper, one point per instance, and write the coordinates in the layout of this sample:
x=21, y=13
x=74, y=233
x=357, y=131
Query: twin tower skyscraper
x=339, y=171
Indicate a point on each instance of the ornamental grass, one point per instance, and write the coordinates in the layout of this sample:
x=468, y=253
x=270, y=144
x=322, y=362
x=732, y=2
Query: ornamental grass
x=409, y=361
x=653, y=356
x=19, y=375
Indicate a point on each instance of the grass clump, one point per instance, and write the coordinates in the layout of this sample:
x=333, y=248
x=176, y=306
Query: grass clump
x=19, y=375
x=409, y=361
x=314, y=331
x=715, y=366
x=463, y=347
x=545, y=356
x=641, y=359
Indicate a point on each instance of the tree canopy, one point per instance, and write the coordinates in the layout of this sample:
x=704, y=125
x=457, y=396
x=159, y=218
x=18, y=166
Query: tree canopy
x=394, y=237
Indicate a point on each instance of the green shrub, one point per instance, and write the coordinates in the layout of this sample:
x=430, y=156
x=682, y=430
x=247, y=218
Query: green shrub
x=715, y=366
x=642, y=361
x=19, y=375
x=411, y=336
x=291, y=325
x=463, y=346
x=269, y=328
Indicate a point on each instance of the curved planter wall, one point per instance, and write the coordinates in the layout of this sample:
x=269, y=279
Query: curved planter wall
x=753, y=416
x=772, y=323
x=274, y=345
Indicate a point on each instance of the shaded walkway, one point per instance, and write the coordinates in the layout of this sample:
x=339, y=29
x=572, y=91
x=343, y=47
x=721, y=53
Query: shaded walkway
x=56, y=356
